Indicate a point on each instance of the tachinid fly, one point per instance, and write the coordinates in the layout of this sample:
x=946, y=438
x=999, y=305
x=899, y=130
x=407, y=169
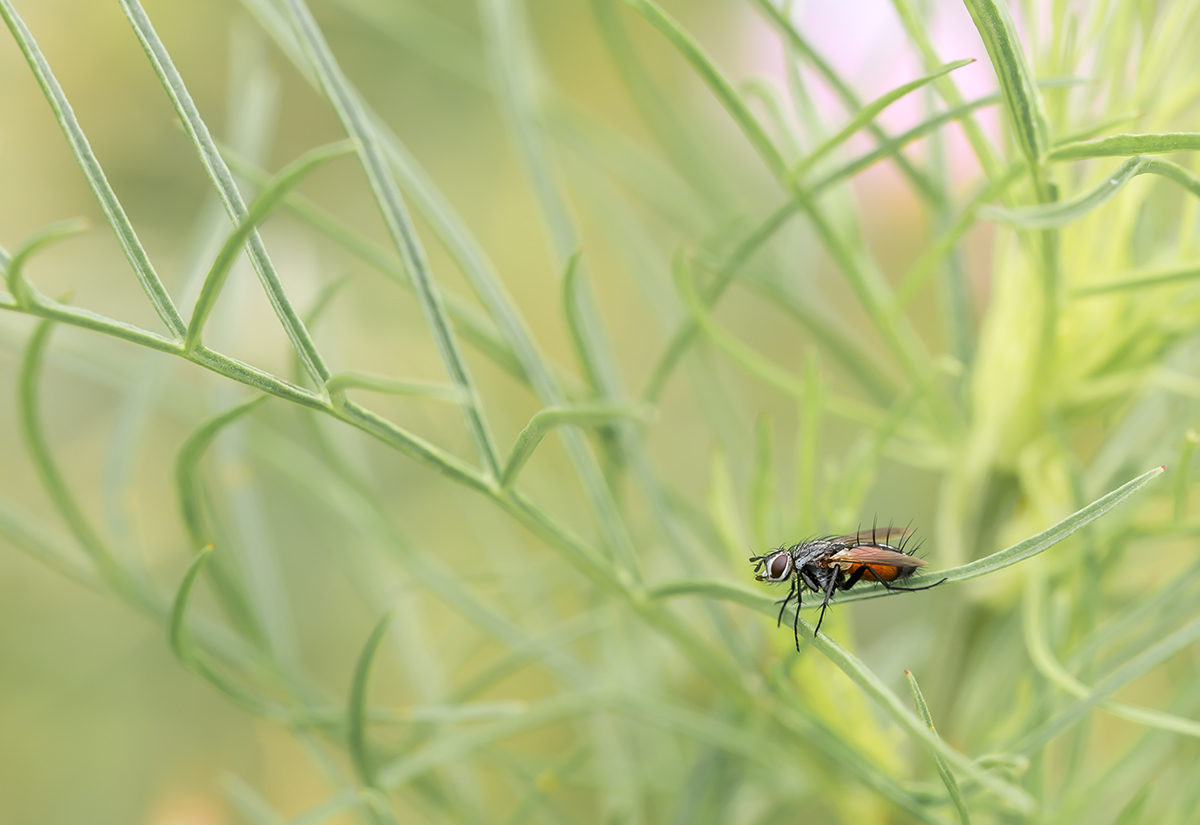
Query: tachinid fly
x=838, y=563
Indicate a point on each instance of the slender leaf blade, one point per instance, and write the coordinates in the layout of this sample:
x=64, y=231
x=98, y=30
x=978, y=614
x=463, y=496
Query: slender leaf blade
x=1052, y=215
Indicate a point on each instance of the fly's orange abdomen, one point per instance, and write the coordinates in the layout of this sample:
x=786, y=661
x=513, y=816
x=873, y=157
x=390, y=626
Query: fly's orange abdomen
x=877, y=573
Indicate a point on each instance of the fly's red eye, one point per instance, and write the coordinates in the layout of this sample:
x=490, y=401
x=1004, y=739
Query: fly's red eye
x=779, y=566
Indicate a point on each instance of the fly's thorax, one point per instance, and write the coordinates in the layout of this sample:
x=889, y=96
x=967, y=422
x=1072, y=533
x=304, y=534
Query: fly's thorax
x=813, y=551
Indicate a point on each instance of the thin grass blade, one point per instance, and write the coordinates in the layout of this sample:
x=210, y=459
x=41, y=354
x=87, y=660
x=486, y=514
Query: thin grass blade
x=1134, y=281
x=1023, y=102
x=14, y=270
x=132, y=247
x=260, y=209
x=434, y=391
x=356, y=706
x=867, y=114
x=596, y=414
x=1051, y=215
x=943, y=770
x=1125, y=145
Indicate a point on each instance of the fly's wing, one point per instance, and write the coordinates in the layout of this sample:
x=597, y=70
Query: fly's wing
x=877, y=535
x=871, y=555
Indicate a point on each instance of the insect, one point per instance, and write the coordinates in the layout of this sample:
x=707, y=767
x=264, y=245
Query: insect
x=833, y=563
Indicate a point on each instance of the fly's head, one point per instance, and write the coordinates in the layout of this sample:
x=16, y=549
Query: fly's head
x=773, y=567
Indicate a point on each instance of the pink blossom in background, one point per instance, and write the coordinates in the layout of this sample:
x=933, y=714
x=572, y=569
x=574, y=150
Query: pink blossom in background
x=866, y=43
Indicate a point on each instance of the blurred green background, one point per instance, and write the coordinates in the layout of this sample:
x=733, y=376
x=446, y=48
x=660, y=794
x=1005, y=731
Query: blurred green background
x=982, y=411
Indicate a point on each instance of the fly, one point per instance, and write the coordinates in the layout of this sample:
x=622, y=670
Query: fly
x=838, y=563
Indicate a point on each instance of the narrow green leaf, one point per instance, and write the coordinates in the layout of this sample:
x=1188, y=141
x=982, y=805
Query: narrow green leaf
x=1026, y=114
x=28, y=401
x=1136, y=280
x=599, y=413
x=260, y=209
x=913, y=17
x=795, y=40
x=190, y=489
x=867, y=114
x=474, y=327
x=187, y=467
x=180, y=641
x=716, y=81
x=52, y=310
x=132, y=247
x=770, y=98
x=18, y=282
x=1035, y=631
x=1040, y=542
x=572, y=312
x=436, y=391
x=943, y=770
x=399, y=224
x=1126, y=145
x=1136, y=667
x=356, y=706
x=177, y=635
x=1030, y=547
x=686, y=332
x=222, y=180
x=758, y=366
x=836, y=336
x=947, y=241
x=1050, y=215
x=892, y=145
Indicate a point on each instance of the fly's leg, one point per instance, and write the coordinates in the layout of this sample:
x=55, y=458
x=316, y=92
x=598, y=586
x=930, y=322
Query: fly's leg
x=910, y=589
x=825, y=604
x=854, y=579
x=787, y=599
x=809, y=581
x=796, y=621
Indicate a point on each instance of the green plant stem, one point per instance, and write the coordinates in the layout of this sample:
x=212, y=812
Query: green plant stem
x=130, y=244
x=399, y=224
x=222, y=180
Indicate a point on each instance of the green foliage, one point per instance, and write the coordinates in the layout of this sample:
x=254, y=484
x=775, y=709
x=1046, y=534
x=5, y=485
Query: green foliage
x=549, y=662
